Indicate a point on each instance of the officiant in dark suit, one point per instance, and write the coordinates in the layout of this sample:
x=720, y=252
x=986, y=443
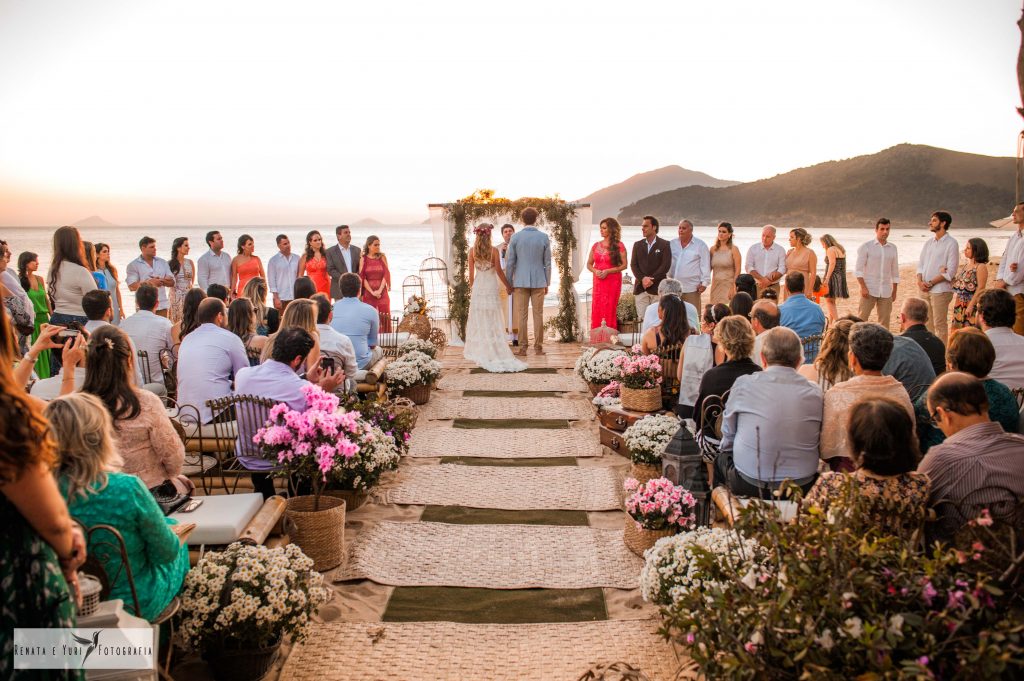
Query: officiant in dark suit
x=341, y=258
x=649, y=263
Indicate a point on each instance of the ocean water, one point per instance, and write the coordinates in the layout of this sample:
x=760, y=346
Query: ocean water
x=408, y=246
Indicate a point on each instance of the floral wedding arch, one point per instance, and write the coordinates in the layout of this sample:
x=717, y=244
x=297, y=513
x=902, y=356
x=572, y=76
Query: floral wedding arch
x=569, y=225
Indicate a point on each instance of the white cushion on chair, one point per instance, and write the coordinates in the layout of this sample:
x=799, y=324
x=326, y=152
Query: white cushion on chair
x=629, y=339
x=221, y=518
x=387, y=340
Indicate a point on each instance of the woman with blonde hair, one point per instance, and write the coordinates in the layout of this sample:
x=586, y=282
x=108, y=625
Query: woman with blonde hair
x=267, y=318
x=725, y=265
x=800, y=258
x=486, y=342
x=606, y=262
x=832, y=365
x=835, y=275
x=301, y=312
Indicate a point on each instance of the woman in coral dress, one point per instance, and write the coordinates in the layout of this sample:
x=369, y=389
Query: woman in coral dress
x=245, y=265
x=801, y=259
x=313, y=263
x=606, y=262
x=376, y=278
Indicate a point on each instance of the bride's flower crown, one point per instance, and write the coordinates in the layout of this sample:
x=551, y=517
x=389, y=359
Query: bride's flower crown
x=483, y=229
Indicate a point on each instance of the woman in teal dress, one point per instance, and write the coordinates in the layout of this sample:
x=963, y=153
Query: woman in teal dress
x=95, y=495
x=35, y=287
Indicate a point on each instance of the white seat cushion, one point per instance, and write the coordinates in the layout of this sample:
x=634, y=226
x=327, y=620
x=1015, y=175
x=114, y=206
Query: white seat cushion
x=208, y=430
x=388, y=340
x=221, y=518
x=629, y=339
x=202, y=463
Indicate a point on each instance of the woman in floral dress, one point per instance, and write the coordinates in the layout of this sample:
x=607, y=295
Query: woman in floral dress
x=606, y=262
x=970, y=280
x=184, y=274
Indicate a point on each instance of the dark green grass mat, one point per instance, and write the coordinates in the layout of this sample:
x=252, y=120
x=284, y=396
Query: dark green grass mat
x=461, y=515
x=512, y=393
x=510, y=463
x=547, y=424
x=494, y=606
x=534, y=370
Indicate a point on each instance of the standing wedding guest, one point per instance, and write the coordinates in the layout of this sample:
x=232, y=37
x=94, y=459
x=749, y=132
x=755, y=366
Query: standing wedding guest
x=341, y=258
x=267, y=318
x=376, y=278
x=301, y=314
x=800, y=258
x=669, y=287
x=242, y=323
x=333, y=344
x=313, y=262
x=935, y=272
x=245, y=266
x=150, y=332
x=606, y=262
x=832, y=365
x=799, y=312
x=997, y=315
x=184, y=273
x=968, y=284
x=725, y=265
x=96, y=495
x=878, y=273
x=507, y=311
x=909, y=364
x=35, y=289
x=1010, y=275
x=189, y=315
x=208, y=358
x=358, y=321
x=90, y=264
x=672, y=327
x=741, y=304
x=691, y=264
x=282, y=270
x=735, y=336
x=913, y=319
x=66, y=282
x=766, y=262
x=835, y=275
x=150, y=269
x=105, y=265
x=764, y=317
x=214, y=266
x=650, y=262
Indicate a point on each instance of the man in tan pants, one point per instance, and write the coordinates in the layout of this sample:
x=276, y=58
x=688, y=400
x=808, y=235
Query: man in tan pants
x=878, y=273
x=528, y=269
x=935, y=271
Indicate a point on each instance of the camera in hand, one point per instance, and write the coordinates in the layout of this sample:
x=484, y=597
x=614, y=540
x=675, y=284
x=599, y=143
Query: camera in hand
x=72, y=331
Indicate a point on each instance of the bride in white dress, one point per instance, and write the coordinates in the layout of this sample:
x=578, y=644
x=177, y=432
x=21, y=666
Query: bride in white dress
x=486, y=342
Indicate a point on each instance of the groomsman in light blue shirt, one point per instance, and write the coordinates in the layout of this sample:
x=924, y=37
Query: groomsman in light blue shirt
x=357, y=320
x=800, y=313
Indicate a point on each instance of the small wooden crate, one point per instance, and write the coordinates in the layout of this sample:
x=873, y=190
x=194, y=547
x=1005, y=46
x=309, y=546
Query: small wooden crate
x=619, y=419
x=613, y=440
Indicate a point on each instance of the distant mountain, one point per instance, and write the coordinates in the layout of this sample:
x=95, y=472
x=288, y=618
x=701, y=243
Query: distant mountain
x=94, y=221
x=367, y=222
x=610, y=200
x=905, y=183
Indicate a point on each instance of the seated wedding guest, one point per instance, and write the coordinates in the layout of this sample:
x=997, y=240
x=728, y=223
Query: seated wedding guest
x=742, y=304
x=357, y=320
x=100, y=312
x=979, y=464
x=208, y=359
x=771, y=424
x=764, y=316
x=301, y=312
x=217, y=291
x=672, y=328
x=799, y=312
x=697, y=356
x=189, y=315
x=143, y=434
x=913, y=317
x=971, y=352
x=96, y=495
x=870, y=345
x=305, y=288
x=996, y=315
x=712, y=315
x=242, y=323
x=736, y=338
x=149, y=332
x=267, y=318
x=909, y=364
x=747, y=284
x=669, y=287
x=884, y=452
x=832, y=365
x=333, y=344
x=277, y=380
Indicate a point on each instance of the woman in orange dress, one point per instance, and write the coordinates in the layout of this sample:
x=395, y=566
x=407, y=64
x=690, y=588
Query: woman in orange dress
x=376, y=278
x=313, y=263
x=245, y=265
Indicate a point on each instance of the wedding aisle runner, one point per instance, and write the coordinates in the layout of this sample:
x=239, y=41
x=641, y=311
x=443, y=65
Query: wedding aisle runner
x=443, y=408
x=430, y=440
x=512, y=382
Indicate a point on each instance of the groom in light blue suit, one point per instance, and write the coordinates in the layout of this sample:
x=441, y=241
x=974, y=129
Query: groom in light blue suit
x=528, y=269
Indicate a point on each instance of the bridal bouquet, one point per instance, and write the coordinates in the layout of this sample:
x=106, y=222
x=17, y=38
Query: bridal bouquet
x=412, y=368
x=638, y=371
x=648, y=437
x=598, y=366
x=418, y=345
x=416, y=305
x=659, y=505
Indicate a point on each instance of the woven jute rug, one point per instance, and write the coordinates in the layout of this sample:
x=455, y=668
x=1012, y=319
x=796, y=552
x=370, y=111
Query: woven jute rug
x=563, y=487
x=491, y=556
x=414, y=651
x=448, y=408
x=511, y=382
x=512, y=443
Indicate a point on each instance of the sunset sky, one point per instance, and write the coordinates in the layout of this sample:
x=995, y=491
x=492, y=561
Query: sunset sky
x=317, y=112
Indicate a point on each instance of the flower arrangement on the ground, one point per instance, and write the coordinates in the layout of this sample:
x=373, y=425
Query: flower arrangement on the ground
x=397, y=423
x=608, y=396
x=659, y=505
x=412, y=368
x=597, y=365
x=638, y=371
x=418, y=345
x=648, y=437
x=416, y=305
x=249, y=597
x=378, y=453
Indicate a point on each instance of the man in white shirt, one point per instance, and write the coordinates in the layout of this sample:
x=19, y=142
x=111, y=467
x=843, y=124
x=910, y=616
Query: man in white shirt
x=150, y=332
x=335, y=345
x=208, y=359
x=878, y=273
x=766, y=261
x=764, y=317
x=214, y=266
x=996, y=315
x=691, y=264
x=149, y=269
x=935, y=271
x=1010, y=275
x=282, y=270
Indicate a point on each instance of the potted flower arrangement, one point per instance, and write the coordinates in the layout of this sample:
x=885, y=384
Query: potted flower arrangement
x=411, y=375
x=640, y=380
x=608, y=396
x=414, y=319
x=656, y=509
x=596, y=367
x=239, y=603
x=646, y=440
x=418, y=345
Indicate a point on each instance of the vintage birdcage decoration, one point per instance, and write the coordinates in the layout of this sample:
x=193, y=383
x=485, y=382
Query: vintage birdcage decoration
x=434, y=278
x=415, y=308
x=412, y=286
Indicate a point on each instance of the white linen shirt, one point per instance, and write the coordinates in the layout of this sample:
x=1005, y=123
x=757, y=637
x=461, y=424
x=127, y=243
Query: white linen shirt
x=879, y=266
x=140, y=270
x=207, y=360
x=938, y=254
x=213, y=269
x=764, y=261
x=151, y=333
x=281, y=274
x=1014, y=253
x=691, y=264
x=338, y=345
x=1009, y=365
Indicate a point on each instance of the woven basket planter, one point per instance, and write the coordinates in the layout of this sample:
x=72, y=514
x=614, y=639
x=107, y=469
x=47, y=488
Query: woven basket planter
x=645, y=399
x=639, y=540
x=595, y=388
x=644, y=471
x=403, y=405
x=419, y=394
x=353, y=498
x=320, y=534
x=242, y=664
x=416, y=324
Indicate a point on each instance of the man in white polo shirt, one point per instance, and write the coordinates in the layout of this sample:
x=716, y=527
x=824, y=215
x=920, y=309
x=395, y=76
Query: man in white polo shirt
x=149, y=269
x=282, y=271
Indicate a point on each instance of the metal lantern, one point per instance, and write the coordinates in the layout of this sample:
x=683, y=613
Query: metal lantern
x=683, y=464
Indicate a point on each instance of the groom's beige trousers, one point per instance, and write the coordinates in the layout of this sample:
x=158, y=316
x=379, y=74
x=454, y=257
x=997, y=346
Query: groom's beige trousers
x=522, y=298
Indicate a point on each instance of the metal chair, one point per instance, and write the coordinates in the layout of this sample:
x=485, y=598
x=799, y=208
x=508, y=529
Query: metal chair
x=812, y=344
x=143, y=359
x=238, y=418
x=169, y=366
x=669, y=357
x=200, y=456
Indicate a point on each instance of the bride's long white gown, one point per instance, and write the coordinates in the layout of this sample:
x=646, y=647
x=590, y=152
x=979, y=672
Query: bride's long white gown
x=486, y=343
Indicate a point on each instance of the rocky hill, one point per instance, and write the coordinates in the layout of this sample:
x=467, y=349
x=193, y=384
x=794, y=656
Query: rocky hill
x=610, y=200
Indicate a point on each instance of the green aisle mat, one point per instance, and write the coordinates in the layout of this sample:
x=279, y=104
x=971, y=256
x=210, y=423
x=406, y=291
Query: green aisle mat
x=461, y=515
x=512, y=393
x=534, y=370
x=494, y=606
x=525, y=463
x=549, y=424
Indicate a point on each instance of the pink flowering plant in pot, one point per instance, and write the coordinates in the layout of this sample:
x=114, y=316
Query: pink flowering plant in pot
x=638, y=371
x=659, y=505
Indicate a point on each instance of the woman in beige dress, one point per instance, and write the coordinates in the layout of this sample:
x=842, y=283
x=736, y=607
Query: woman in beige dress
x=801, y=259
x=725, y=266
